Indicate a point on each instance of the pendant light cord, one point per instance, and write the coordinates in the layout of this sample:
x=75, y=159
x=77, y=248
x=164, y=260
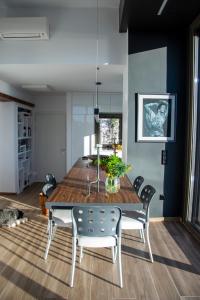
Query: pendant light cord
x=97, y=54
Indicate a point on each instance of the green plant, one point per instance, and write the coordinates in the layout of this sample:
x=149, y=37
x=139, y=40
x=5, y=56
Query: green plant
x=114, y=166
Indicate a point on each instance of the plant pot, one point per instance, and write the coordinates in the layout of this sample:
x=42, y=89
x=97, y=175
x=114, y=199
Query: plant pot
x=112, y=185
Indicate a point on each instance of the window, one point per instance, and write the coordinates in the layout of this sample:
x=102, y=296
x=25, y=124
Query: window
x=109, y=130
x=192, y=200
x=196, y=191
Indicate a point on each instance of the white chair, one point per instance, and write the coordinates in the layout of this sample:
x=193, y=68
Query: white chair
x=96, y=227
x=58, y=217
x=139, y=220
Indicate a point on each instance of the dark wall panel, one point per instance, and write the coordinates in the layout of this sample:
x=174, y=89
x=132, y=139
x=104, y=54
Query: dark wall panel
x=157, y=64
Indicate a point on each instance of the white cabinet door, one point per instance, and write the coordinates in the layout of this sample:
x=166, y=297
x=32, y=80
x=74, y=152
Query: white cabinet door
x=82, y=103
x=116, y=103
x=104, y=103
x=50, y=154
x=82, y=135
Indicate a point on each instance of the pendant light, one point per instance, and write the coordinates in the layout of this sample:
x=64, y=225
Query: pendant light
x=98, y=83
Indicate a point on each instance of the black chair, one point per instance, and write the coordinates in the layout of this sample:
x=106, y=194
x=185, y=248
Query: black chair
x=139, y=220
x=136, y=187
x=58, y=217
x=137, y=183
x=50, y=185
x=50, y=178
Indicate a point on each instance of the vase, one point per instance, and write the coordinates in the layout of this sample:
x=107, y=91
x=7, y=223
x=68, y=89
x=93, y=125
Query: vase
x=112, y=184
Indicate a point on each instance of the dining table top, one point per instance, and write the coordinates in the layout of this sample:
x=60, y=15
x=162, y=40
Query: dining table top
x=73, y=190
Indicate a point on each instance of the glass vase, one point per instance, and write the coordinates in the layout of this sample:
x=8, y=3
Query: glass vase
x=112, y=184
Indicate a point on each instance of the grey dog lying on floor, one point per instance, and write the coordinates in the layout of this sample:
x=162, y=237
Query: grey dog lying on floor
x=11, y=217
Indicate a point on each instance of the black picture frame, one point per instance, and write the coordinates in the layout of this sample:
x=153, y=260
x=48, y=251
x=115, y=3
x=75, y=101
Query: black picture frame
x=156, y=117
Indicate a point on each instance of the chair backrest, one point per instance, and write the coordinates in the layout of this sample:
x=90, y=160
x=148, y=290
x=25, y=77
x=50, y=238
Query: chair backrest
x=96, y=221
x=50, y=179
x=137, y=183
x=48, y=189
x=146, y=196
x=50, y=185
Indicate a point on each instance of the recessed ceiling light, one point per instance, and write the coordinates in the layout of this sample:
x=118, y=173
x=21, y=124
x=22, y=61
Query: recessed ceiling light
x=162, y=7
x=37, y=87
x=106, y=64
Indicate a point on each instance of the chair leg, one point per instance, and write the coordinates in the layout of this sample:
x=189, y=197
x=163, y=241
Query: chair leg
x=148, y=243
x=50, y=230
x=73, y=260
x=81, y=254
x=54, y=231
x=114, y=254
x=120, y=264
x=48, y=226
x=143, y=236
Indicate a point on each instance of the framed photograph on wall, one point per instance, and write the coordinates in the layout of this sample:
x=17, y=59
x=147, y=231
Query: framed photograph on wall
x=156, y=117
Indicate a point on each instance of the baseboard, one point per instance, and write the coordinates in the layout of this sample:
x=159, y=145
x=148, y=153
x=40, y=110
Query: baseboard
x=7, y=194
x=166, y=219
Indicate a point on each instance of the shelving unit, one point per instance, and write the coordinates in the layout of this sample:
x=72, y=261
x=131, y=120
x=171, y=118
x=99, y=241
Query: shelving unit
x=24, y=147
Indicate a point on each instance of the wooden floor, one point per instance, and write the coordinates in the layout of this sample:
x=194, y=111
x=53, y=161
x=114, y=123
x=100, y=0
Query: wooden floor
x=24, y=274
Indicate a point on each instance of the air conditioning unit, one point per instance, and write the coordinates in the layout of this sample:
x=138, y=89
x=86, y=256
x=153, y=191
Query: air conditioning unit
x=29, y=29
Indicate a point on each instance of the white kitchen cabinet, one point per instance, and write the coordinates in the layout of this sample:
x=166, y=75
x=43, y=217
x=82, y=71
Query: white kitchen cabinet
x=104, y=103
x=82, y=136
x=83, y=103
x=81, y=121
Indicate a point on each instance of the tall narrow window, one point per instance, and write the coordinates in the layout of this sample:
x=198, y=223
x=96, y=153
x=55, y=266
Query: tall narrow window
x=109, y=130
x=196, y=194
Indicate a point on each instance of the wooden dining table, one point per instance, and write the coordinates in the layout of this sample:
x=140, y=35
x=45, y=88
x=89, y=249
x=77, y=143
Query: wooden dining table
x=73, y=190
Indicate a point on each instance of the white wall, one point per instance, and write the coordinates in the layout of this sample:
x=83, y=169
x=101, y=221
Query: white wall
x=49, y=102
x=8, y=89
x=3, y=11
x=73, y=35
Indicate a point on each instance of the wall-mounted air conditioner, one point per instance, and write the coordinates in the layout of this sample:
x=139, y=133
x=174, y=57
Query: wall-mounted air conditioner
x=24, y=28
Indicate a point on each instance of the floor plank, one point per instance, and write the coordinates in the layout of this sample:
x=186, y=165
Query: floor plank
x=174, y=275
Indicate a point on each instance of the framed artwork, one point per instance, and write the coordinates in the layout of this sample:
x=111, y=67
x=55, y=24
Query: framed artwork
x=156, y=117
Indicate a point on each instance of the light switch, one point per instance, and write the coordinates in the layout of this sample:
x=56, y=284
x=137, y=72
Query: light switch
x=164, y=157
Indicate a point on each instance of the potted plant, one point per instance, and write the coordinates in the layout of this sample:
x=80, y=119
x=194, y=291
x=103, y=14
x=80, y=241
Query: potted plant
x=114, y=168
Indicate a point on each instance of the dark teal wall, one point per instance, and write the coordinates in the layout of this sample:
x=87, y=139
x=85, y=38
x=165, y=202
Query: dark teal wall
x=157, y=64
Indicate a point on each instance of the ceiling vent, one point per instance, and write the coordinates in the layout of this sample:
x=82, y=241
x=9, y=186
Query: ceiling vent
x=29, y=29
x=37, y=87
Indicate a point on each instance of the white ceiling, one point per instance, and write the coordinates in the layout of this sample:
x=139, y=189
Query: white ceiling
x=59, y=77
x=60, y=3
x=62, y=78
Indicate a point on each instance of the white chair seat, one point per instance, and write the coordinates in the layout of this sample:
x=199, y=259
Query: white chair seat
x=132, y=223
x=96, y=242
x=62, y=217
